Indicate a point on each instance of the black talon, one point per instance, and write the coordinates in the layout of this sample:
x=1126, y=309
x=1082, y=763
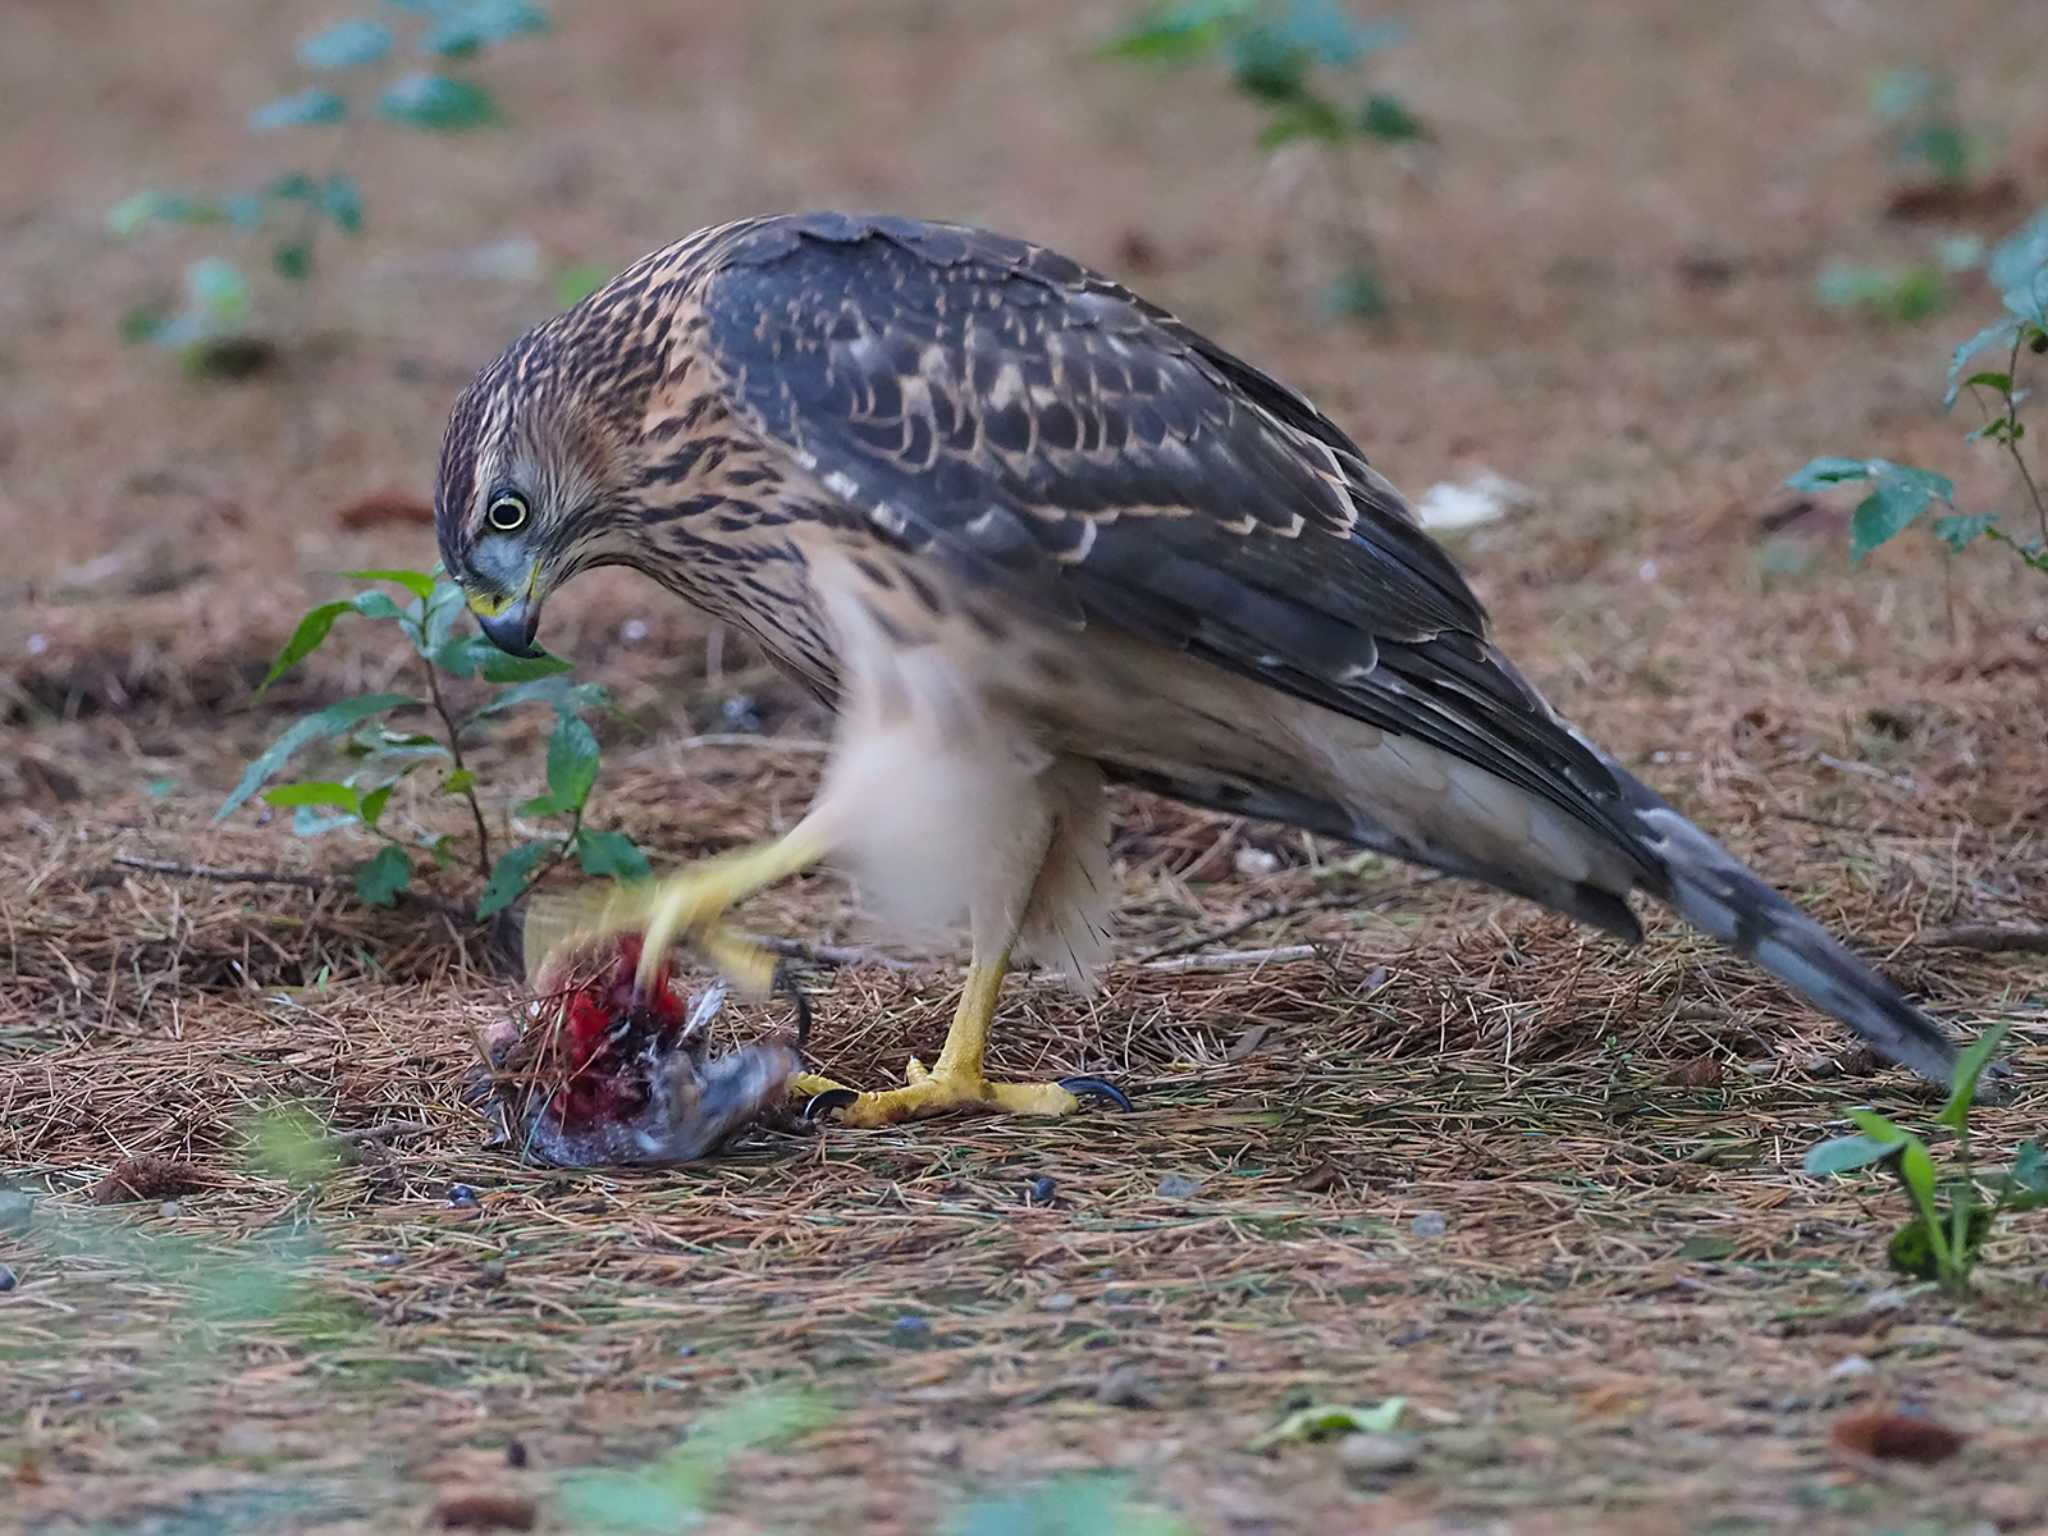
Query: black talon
x=785, y=982
x=824, y=1103
x=1096, y=1088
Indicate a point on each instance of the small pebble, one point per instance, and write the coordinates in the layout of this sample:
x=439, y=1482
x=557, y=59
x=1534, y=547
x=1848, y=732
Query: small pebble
x=1059, y=1301
x=633, y=631
x=461, y=1194
x=1179, y=1186
x=491, y=1272
x=388, y=1260
x=8, y=1279
x=740, y=716
x=910, y=1329
x=1253, y=863
x=1428, y=1224
x=686, y=1351
x=1370, y=1455
x=170, y=1210
x=1851, y=1366
x=1040, y=1191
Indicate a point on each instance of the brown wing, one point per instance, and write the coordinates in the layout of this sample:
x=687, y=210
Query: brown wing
x=1040, y=428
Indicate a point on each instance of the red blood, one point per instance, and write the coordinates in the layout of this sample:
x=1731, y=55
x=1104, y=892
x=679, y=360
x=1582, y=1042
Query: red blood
x=604, y=1036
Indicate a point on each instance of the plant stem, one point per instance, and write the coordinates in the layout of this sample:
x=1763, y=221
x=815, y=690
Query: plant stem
x=555, y=858
x=2012, y=439
x=483, y=832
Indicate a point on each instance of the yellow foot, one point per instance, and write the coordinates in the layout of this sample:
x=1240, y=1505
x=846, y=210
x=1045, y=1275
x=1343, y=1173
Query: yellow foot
x=942, y=1093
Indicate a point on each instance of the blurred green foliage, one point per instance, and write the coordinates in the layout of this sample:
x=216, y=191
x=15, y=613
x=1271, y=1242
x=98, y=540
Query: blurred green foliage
x=1897, y=495
x=1284, y=55
x=296, y=213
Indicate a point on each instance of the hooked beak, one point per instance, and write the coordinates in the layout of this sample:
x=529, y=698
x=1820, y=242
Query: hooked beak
x=509, y=623
x=512, y=629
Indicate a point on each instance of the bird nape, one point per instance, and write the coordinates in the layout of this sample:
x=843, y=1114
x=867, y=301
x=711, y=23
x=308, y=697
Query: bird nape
x=1028, y=533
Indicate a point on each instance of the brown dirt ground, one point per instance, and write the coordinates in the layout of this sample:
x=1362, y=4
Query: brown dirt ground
x=1633, y=1316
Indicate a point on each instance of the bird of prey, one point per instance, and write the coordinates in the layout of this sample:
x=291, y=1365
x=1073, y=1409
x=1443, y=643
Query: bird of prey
x=1026, y=533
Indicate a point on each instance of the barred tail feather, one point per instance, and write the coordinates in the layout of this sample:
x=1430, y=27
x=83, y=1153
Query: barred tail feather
x=1711, y=890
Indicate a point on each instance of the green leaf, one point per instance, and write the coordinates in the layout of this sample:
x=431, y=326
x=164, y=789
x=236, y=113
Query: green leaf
x=2020, y=258
x=293, y=260
x=1328, y=31
x=1388, y=119
x=346, y=45
x=467, y=29
x=1970, y=1065
x=610, y=854
x=1176, y=33
x=1327, y=1419
x=372, y=808
x=497, y=667
x=2025, y=1186
x=1899, y=93
x=575, y=284
x=308, y=822
x=129, y=215
x=306, y=639
x=1357, y=295
x=1999, y=333
x=331, y=721
x=375, y=605
x=217, y=288
x=313, y=793
x=1960, y=531
x=672, y=1492
x=1916, y=1172
x=298, y=110
x=418, y=583
x=1844, y=1154
x=1823, y=473
x=1944, y=147
x=566, y=697
x=1900, y=494
x=572, y=763
x=342, y=201
x=461, y=781
x=1302, y=116
x=387, y=873
x=1082, y=1504
x=437, y=103
x=1266, y=66
x=1877, y=1128
x=1884, y=513
x=509, y=876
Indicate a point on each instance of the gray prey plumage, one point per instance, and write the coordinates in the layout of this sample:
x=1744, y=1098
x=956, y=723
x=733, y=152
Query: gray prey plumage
x=949, y=477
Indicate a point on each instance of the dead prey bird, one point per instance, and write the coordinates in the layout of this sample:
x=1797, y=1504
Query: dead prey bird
x=1027, y=532
x=604, y=1071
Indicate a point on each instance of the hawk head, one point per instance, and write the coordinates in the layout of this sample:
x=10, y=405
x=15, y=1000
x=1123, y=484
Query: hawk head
x=533, y=485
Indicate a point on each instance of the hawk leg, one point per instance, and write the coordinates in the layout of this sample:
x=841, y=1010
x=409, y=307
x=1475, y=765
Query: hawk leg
x=955, y=1081
x=686, y=907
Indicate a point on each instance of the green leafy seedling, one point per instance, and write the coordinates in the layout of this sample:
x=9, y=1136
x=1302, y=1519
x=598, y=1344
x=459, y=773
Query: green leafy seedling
x=386, y=751
x=1281, y=56
x=1898, y=495
x=1950, y=1217
x=363, y=73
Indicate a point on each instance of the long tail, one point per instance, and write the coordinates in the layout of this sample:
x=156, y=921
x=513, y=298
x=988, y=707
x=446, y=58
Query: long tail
x=1710, y=889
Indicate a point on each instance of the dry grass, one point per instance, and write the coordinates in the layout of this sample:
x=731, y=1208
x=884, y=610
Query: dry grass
x=1544, y=1188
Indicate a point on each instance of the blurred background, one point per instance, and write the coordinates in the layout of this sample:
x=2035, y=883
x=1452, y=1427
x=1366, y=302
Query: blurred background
x=1597, y=246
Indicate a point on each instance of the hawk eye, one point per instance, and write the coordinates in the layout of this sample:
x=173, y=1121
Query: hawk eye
x=507, y=512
